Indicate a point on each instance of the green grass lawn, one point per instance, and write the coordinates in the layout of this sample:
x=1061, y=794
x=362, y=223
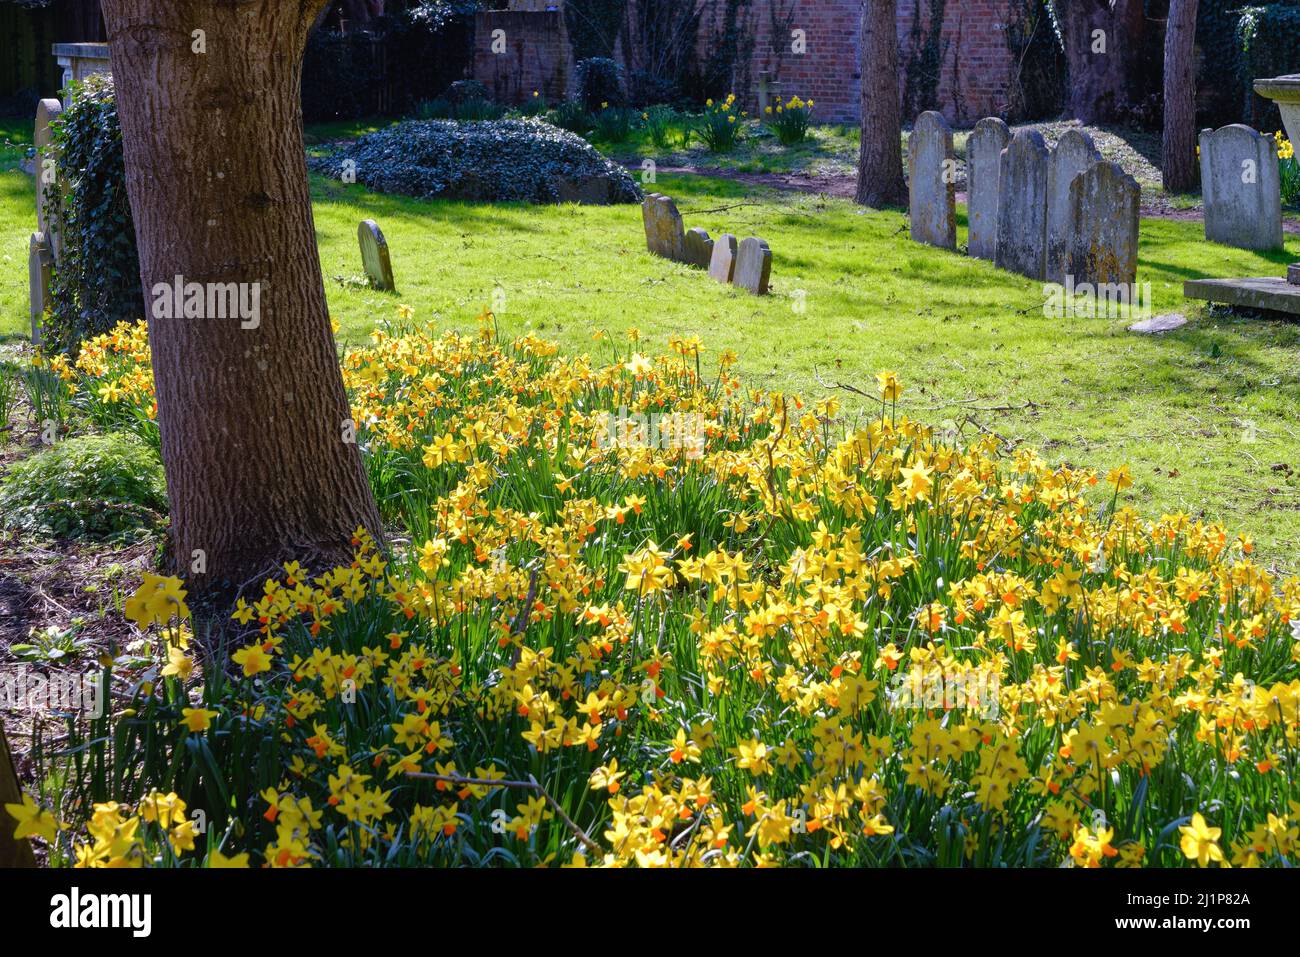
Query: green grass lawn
x=17, y=223
x=1206, y=415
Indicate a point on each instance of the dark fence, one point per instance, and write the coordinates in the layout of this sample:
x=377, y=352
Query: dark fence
x=386, y=68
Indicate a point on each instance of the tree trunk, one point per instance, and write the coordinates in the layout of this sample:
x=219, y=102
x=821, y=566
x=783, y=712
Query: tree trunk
x=1102, y=39
x=14, y=852
x=880, y=162
x=251, y=407
x=1179, y=160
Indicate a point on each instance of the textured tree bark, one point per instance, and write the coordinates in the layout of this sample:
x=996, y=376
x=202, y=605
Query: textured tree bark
x=14, y=852
x=1101, y=40
x=251, y=417
x=1178, y=162
x=880, y=162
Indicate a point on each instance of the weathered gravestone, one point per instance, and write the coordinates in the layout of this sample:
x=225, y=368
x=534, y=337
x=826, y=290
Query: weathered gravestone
x=1022, y=205
x=1241, y=188
x=664, y=233
x=722, y=262
x=932, y=182
x=1074, y=153
x=374, y=255
x=46, y=112
x=1104, y=214
x=753, y=266
x=983, y=156
x=40, y=272
x=699, y=247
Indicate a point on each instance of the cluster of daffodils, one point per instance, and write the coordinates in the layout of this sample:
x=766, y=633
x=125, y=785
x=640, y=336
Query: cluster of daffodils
x=1284, y=148
x=790, y=120
x=814, y=639
x=794, y=103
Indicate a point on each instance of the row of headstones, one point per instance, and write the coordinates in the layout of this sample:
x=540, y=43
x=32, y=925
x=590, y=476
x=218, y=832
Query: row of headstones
x=747, y=264
x=43, y=248
x=1045, y=213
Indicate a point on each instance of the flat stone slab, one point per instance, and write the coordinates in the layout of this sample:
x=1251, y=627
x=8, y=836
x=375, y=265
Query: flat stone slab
x=1267, y=292
x=1164, y=323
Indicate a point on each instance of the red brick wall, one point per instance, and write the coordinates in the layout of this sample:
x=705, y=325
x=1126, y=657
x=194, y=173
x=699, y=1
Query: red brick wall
x=537, y=55
x=975, y=79
x=976, y=67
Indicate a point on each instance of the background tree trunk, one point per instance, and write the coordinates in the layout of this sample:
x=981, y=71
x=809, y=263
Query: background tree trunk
x=880, y=162
x=13, y=852
x=251, y=418
x=1099, y=81
x=1178, y=163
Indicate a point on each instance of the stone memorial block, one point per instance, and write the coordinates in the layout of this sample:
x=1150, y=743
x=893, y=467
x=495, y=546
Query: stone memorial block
x=753, y=266
x=1022, y=205
x=699, y=247
x=983, y=154
x=374, y=255
x=932, y=176
x=1241, y=188
x=665, y=234
x=46, y=112
x=1104, y=209
x=722, y=262
x=40, y=273
x=1074, y=153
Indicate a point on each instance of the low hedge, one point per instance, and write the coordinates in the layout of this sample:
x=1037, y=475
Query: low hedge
x=527, y=160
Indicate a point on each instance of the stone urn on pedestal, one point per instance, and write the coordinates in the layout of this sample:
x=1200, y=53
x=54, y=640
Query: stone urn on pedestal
x=1285, y=92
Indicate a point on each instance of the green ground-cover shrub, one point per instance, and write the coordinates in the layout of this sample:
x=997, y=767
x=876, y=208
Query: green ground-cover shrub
x=101, y=487
x=497, y=160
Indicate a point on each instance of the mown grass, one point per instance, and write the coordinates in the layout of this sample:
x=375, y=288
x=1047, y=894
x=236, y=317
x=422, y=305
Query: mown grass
x=1203, y=414
x=1206, y=415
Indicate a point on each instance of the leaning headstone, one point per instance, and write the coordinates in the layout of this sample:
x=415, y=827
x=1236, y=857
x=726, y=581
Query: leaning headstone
x=699, y=247
x=983, y=154
x=1293, y=274
x=932, y=182
x=753, y=266
x=665, y=234
x=1241, y=188
x=722, y=262
x=374, y=255
x=1104, y=215
x=46, y=112
x=40, y=273
x=1022, y=205
x=1074, y=153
